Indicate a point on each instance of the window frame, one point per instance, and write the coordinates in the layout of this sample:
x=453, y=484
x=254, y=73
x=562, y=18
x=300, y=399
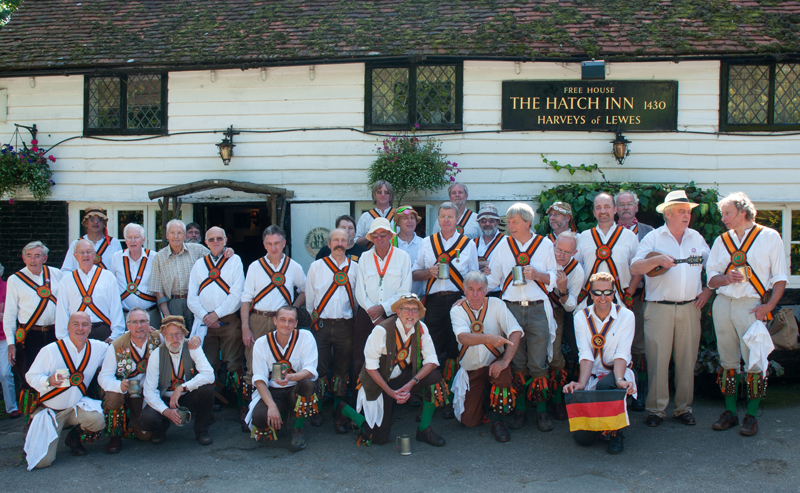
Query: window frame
x=786, y=234
x=770, y=126
x=412, y=96
x=123, y=101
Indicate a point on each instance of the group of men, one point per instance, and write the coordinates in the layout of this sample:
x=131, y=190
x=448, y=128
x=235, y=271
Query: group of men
x=467, y=319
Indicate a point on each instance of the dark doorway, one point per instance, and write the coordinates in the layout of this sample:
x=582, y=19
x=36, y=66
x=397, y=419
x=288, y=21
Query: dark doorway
x=243, y=223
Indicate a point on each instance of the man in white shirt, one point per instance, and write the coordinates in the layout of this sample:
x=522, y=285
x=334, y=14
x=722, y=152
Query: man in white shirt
x=29, y=319
x=330, y=299
x=177, y=377
x=122, y=378
x=745, y=263
x=559, y=215
x=383, y=198
x=61, y=374
x=527, y=299
x=407, y=239
x=269, y=284
x=604, y=332
x=484, y=327
x=487, y=241
x=91, y=289
x=400, y=359
x=466, y=220
x=674, y=300
x=569, y=281
x=457, y=253
x=291, y=390
x=95, y=221
x=215, y=296
x=132, y=269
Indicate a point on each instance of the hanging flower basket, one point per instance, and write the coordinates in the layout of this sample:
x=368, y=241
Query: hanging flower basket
x=25, y=168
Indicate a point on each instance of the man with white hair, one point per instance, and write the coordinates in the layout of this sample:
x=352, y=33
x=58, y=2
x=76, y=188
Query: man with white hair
x=466, y=220
x=95, y=221
x=383, y=198
x=132, y=269
x=527, y=299
x=490, y=237
x=91, y=289
x=29, y=319
x=747, y=267
x=559, y=215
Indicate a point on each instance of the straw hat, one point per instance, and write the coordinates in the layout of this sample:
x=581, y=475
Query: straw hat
x=408, y=210
x=409, y=298
x=380, y=223
x=674, y=198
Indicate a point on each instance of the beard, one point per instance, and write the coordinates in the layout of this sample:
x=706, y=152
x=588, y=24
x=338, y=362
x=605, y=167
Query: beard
x=192, y=240
x=489, y=231
x=175, y=348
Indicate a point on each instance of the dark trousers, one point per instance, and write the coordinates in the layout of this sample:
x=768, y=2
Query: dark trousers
x=437, y=318
x=584, y=437
x=285, y=399
x=100, y=331
x=26, y=352
x=380, y=434
x=361, y=331
x=476, y=395
x=334, y=346
x=199, y=402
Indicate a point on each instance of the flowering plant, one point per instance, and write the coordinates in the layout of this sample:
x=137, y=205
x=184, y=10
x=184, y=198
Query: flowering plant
x=411, y=165
x=25, y=167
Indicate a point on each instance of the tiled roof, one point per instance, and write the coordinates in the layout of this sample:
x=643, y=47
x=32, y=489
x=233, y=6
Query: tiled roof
x=70, y=34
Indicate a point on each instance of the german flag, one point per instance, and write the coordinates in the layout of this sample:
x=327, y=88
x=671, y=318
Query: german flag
x=597, y=410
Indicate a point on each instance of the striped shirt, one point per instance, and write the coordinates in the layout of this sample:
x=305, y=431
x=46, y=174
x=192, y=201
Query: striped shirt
x=170, y=274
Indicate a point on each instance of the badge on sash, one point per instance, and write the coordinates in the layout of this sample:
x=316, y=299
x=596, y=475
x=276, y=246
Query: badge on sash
x=603, y=252
x=142, y=366
x=43, y=291
x=738, y=258
x=213, y=273
x=131, y=287
x=598, y=341
x=314, y=316
x=76, y=379
x=476, y=327
x=87, y=300
x=285, y=364
x=402, y=354
x=460, y=229
x=278, y=279
x=19, y=335
x=97, y=258
x=522, y=258
x=627, y=299
x=340, y=278
x=444, y=258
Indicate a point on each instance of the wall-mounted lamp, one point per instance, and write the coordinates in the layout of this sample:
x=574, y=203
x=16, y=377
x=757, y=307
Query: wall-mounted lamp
x=620, y=149
x=213, y=76
x=517, y=68
x=33, y=81
x=226, y=146
x=311, y=73
x=263, y=73
x=593, y=70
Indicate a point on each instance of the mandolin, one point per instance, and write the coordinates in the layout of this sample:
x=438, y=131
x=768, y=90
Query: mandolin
x=693, y=260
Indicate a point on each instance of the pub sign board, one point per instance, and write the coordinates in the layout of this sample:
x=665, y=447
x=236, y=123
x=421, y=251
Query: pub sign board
x=587, y=106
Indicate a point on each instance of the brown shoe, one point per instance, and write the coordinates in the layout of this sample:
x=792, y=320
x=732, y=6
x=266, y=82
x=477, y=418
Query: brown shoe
x=340, y=422
x=430, y=437
x=543, y=422
x=686, y=418
x=749, y=426
x=518, y=419
x=114, y=445
x=726, y=421
x=560, y=411
x=500, y=432
x=653, y=420
x=73, y=441
x=447, y=412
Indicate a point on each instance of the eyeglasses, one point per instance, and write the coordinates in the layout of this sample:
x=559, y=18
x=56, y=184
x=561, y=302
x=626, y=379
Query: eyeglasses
x=451, y=218
x=215, y=239
x=139, y=322
x=560, y=252
x=602, y=292
x=413, y=311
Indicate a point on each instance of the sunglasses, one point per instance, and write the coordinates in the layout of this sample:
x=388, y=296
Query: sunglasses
x=603, y=292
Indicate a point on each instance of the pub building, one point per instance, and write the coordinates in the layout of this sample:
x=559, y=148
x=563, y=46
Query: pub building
x=243, y=114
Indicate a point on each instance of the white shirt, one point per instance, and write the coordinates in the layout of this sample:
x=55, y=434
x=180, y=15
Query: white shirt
x=257, y=279
x=107, y=378
x=482, y=246
x=320, y=279
x=574, y=286
x=371, y=291
x=365, y=221
x=376, y=347
x=618, y=340
x=765, y=257
x=303, y=357
x=622, y=254
x=204, y=376
x=118, y=268
x=105, y=297
x=71, y=264
x=472, y=229
x=682, y=282
x=412, y=249
x=49, y=360
x=466, y=262
x=498, y=321
x=213, y=298
x=503, y=261
x=21, y=301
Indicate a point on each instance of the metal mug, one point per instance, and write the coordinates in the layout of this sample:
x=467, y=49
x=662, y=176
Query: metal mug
x=185, y=414
x=279, y=371
x=444, y=271
x=745, y=271
x=134, y=388
x=518, y=276
x=403, y=443
x=64, y=374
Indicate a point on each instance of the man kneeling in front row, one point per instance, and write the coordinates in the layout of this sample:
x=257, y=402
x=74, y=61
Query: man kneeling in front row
x=177, y=376
x=392, y=354
x=295, y=390
x=604, y=334
x=483, y=326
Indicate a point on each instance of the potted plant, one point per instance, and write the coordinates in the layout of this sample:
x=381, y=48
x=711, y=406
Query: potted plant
x=25, y=168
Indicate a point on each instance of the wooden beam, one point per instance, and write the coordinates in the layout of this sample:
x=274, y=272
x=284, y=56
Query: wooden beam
x=202, y=185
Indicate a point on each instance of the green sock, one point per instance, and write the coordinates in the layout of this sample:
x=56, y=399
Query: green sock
x=730, y=403
x=336, y=400
x=520, y=405
x=493, y=416
x=356, y=418
x=752, y=407
x=557, y=395
x=427, y=414
x=541, y=407
x=299, y=422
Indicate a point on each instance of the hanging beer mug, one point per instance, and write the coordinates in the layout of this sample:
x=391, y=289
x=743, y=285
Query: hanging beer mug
x=444, y=268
